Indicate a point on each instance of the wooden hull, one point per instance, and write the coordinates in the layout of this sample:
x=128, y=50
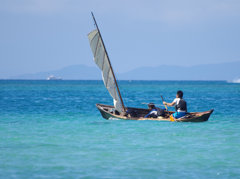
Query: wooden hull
x=107, y=112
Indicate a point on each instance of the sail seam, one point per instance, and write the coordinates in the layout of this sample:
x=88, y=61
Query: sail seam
x=96, y=47
x=107, y=77
x=94, y=35
x=103, y=60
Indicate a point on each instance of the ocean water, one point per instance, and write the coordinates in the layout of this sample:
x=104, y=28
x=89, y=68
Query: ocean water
x=52, y=129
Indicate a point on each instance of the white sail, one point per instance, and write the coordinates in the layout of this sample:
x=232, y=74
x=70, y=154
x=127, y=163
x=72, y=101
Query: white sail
x=101, y=59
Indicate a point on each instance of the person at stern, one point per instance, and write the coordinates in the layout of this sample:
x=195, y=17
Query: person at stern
x=180, y=105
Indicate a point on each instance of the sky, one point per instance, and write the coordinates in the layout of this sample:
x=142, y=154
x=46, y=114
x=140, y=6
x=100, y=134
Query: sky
x=43, y=35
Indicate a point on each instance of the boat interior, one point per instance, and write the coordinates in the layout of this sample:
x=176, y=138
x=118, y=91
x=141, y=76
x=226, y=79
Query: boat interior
x=132, y=112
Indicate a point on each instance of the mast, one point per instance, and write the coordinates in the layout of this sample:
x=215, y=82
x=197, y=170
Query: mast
x=95, y=23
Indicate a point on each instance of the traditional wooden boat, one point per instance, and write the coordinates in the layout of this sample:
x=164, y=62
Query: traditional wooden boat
x=108, y=112
x=119, y=111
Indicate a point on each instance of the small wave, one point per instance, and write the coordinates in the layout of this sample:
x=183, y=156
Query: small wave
x=112, y=118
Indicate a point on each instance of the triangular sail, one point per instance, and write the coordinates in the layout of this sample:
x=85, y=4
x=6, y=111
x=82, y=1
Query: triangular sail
x=102, y=61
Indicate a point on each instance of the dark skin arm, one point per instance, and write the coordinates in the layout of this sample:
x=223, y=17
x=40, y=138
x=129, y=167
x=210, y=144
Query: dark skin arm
x=169, y=104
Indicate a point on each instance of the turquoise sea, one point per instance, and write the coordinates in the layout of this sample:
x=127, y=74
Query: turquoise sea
x=52, y=129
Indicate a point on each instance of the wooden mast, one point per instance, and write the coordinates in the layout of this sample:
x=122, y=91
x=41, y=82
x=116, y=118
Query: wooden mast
x=109, y=61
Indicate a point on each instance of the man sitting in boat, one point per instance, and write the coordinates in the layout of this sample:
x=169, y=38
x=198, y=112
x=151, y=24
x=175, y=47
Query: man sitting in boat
x=180, y=105
x=154, y=111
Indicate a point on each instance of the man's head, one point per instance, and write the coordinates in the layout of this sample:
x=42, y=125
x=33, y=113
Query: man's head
x=151, y=106
x=179, y=94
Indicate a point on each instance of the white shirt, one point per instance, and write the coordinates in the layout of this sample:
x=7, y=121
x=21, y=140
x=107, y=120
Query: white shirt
x=176, y=101
x=154, y=111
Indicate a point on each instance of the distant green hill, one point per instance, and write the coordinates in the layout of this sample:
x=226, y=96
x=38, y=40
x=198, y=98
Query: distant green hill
x=222, y=71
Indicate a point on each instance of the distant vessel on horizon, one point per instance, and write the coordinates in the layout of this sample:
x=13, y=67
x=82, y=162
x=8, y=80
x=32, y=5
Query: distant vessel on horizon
x=52, y=77
x=236, y=80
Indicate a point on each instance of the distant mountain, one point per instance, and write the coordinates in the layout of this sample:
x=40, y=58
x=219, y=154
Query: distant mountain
x=74, y=72
x=223, y=71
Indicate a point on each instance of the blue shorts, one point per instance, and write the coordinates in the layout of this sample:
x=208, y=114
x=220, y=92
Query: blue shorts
x=177, y=115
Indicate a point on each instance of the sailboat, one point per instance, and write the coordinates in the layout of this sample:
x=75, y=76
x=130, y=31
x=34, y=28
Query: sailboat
x=118, y=110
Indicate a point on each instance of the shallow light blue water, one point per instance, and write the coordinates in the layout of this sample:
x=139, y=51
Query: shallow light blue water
x=52, y=129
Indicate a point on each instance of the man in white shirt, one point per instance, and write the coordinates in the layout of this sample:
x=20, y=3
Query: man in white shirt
x=180, y=105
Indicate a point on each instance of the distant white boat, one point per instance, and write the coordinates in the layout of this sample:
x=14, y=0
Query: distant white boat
x=237, y=80
x=52, y=77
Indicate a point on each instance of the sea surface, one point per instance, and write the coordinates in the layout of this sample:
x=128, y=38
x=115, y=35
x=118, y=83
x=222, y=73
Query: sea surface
x=52, y=129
